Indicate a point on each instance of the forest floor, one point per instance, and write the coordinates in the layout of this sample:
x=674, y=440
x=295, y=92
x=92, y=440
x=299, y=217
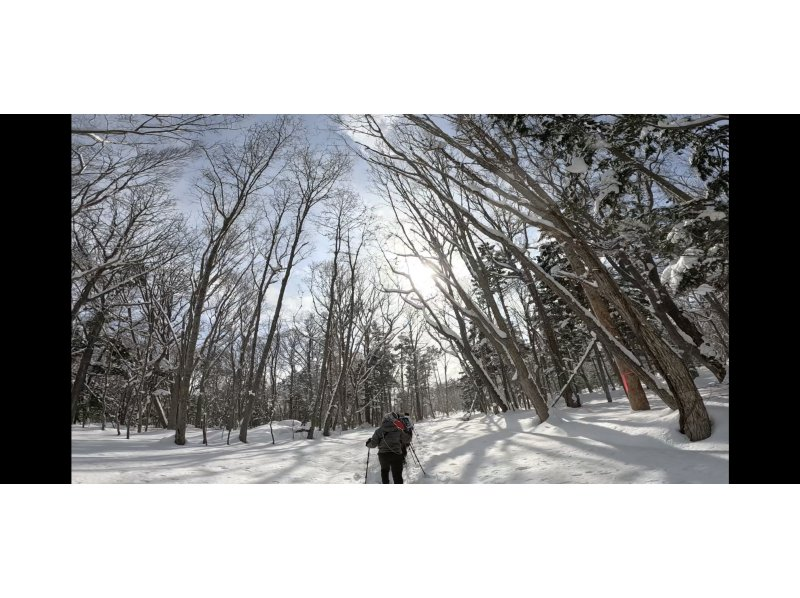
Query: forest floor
x=600, y=443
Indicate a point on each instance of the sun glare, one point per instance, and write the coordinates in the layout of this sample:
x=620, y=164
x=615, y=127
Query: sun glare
x=422, y=277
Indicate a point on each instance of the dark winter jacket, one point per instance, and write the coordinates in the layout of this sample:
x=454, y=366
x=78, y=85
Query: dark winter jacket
x=389, y=438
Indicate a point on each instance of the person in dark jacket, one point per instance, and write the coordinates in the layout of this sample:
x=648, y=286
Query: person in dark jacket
x=390, y=439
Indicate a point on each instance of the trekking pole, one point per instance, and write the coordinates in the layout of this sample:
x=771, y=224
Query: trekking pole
x=416, y=434
x=366, y=472
x=416, y=459
x=414, y=453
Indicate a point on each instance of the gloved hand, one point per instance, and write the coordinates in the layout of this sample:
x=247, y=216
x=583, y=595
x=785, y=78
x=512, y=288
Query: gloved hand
x=368, y=441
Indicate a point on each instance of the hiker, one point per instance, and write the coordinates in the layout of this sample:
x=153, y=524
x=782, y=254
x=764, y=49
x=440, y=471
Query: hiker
x=409, y=427
x=390, y=439
x=406, y=419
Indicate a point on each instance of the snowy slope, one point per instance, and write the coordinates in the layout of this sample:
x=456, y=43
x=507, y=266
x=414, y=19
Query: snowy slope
x=599, y=443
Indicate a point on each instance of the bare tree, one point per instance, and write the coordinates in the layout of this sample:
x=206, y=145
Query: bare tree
x=314, y=177
x=235, y=173
x=338, y=221
x=148, y=128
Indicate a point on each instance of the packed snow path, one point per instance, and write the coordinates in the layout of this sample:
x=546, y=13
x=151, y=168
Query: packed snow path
x=599, y=443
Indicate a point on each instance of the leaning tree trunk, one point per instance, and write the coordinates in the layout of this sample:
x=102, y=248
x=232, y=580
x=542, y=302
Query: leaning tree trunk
x=673, y=319
x=609, y=367
x=619, y=352
x=160, y=415
x=694, y=420
x=505, y=344
x=630, y=381
x=550, y=337
x=467, y=356
x=719, y=310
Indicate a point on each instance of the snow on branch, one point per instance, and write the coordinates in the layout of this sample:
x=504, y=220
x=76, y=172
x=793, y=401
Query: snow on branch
x=686, y=123
x=557, y=271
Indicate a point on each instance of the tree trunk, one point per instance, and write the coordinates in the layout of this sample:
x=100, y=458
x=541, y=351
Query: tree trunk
x=630, y=381
x=291, y=386
x=417, y=399
x=677, y=325
x=160, y=415
x=610, y=367
x=477, y=368
x=719, y=310
x=501, y=344
x=326, y=349
x=93, y=334
x=199, y=413
x=598, y=366
x=181, y=404
x=694, y=420
x=446, y=397
x=550, y=337
x=103, y=400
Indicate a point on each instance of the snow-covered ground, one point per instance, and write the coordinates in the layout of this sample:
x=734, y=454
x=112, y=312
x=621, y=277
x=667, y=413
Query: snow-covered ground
x=599, y=443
